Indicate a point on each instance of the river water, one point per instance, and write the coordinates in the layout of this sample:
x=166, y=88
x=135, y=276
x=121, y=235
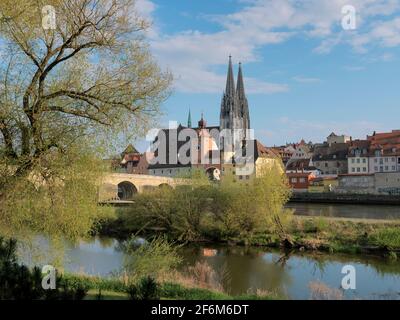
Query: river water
x=358, y=211
x=289, y=274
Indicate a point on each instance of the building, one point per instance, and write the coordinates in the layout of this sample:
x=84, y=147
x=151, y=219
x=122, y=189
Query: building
x=301, y=165
x=301, y=150
x=384, y=153
x=333, y=138
x=358, y=157
x=283, y=152
x=234, y=113
x=300, y=181
x=331, y=157
x=206, y=157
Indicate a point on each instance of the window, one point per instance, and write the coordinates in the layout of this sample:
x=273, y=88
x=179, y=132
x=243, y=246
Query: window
x=364, y=160
x=247, y=177
x=352, y=160
x=302, y=180
x=240, y=177
x=381, y=168
x=376, y=160
x=375, y=169
x=358, y=160
x=364, y=169
x=358, y=170
x=353, y=169
x=386, y=168
x=393, y=168
x=386, y=159
x=393, y=159
x=294, y=180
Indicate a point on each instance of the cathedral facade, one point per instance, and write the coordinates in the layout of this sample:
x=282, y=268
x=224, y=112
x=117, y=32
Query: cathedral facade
x=220, y=151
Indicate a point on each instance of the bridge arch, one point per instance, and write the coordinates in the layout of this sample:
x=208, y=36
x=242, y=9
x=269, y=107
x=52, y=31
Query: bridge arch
x=126, y=190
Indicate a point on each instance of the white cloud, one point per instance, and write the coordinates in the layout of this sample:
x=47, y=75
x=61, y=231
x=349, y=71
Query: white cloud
x=302, y=79
x=193, y=55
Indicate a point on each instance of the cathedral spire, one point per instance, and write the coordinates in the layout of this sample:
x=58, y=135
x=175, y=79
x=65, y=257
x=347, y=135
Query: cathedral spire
x=240, y=84
x=243, y=106
x=230, y=81
x=189, y=122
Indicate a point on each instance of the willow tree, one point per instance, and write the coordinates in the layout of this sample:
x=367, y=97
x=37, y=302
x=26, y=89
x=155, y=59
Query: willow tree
x=64, y=83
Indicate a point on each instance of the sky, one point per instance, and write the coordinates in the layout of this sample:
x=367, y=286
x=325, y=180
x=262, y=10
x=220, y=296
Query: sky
x=305, y=75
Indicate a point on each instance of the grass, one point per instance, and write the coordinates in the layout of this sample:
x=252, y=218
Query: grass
x=334, y=235
x=389, y=237
x=114, y=289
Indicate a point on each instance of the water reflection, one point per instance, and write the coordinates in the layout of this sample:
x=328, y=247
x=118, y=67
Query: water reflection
x=284, y=273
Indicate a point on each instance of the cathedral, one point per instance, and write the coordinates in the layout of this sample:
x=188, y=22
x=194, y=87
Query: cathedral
x=234, y=120
x=234, y=106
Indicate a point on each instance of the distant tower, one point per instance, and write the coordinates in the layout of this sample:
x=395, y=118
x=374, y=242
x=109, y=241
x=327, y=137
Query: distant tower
x=189, y=122
x=243, y=106
x=234, y=106
x=229, y=102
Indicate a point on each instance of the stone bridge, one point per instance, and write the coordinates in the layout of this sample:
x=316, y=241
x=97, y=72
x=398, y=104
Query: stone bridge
x=123, y=186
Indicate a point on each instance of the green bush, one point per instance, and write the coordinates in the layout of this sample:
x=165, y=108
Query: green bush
x=18, y=282
x=155, y=258
x=146, y=289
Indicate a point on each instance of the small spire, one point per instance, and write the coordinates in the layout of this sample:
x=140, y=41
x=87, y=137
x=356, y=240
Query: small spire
x=189, y=122
x=202, y=122
x=240, y=83
x=230, y=81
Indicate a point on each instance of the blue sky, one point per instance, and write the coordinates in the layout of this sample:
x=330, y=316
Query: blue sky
x=305, y=76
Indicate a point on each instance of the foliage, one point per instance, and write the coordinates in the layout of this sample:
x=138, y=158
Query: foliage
x=198, y=208
x=65, y=94
x=49, y=201
x=389, y=237
x=146, y=289
x=18, y=282
x=155, y=258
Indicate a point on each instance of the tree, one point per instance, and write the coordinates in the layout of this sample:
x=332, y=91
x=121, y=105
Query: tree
x=90, y=76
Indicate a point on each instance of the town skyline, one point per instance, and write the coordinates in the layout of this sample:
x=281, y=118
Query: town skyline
x=305, y=76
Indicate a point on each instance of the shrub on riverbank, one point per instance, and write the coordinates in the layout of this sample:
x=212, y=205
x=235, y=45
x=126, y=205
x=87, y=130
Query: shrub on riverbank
x=203, y=210
x=154, y=258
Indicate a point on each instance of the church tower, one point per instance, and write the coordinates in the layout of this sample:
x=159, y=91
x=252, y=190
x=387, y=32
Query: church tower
x=243, y=105
x=234, y=106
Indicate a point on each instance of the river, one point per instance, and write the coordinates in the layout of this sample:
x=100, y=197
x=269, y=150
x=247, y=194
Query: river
x=288, y=274
x=358, y=211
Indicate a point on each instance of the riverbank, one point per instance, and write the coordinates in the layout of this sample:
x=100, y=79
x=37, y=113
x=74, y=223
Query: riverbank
x=115, y=289
x=346, y=198
x=380, y=238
